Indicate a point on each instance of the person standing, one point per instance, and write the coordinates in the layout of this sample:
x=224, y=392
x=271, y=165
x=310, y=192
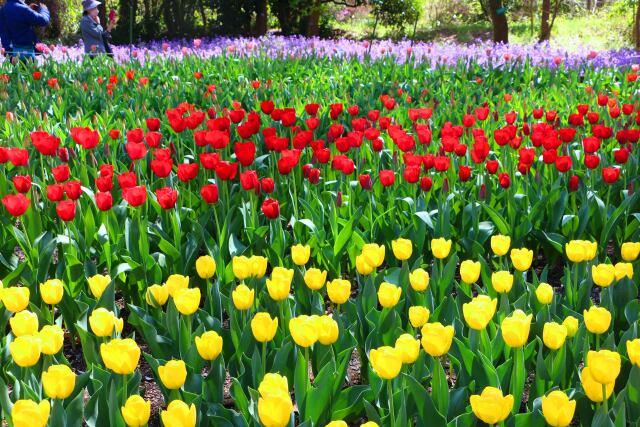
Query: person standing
x=17, y=22
x=94, y=37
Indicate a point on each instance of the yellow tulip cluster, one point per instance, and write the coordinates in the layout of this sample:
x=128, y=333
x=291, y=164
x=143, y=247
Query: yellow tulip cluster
x=371, y=257
x=245, y=267
x=306, y=330
x=279, y=285
x=29, y=343
x=274, y=405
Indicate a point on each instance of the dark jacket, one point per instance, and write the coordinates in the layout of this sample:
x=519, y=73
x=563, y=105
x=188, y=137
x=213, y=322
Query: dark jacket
x=17, y=21
x=94, y=35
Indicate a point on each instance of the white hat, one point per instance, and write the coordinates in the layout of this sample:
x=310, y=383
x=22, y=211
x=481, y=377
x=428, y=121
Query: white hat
x=90, y=4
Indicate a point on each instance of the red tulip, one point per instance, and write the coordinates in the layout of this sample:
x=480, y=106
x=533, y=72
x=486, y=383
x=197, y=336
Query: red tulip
x=104, y=201
x=610, y=174
x=504, y=179
x=314, y=176
x=22, y=183
x=167, y=197
x=73, y=189
x=249, y=180
x=18, y=156
x=16, y=204
x=209, y=193
x=187, y=171
x=621, y=156
x=104, y=183
x=387, y=177
x=135, y=136
x=161, y=168
x=464, y=173
x=136, y=151
x=153, y=139
x=574, y=183
x=55, y=192
x=226, y=171
x=135, y=196
x=127, y=180
x=85, y=137
x=61, y=173
x=411, y=174
x=271, y=208
x=365, y=181
x=267, y=185
x=66, y=210
x=114, y=134
x=312, y=109
x=46, y=144
x=245, y=152
x=563, y=163
x=492, y=166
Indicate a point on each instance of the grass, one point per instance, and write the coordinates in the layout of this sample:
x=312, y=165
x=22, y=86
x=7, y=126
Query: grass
x=607, y=29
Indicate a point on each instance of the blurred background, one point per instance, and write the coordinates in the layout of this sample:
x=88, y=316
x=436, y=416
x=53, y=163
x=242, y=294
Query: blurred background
x=571, y=24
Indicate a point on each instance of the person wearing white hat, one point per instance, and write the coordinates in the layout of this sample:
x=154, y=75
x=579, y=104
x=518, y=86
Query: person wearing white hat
x=94, y=36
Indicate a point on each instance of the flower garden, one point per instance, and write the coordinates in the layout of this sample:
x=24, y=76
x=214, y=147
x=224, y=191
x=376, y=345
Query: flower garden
x=293, y=232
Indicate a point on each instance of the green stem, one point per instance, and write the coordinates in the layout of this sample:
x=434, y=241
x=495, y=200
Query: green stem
x=605, y=401
x=264, y=359
x=391, y=411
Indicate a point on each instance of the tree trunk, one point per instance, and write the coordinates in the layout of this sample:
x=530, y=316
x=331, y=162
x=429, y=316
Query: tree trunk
x=261, y=18
x=545, y=29
x=636, y=28
x=499, y=21
x=313, y=21
x=589, y=5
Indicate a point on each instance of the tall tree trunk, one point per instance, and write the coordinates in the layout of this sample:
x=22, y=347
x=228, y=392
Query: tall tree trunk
x=545, y=29
x=636, y=28
x=589, y=5
x=313, y=21
x=261, y=18
x=499, y=21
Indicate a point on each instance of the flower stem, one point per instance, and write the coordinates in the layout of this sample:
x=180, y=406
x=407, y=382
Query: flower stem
x=391, y=411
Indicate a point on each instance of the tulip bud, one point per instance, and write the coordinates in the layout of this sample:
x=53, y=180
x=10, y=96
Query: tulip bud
x=339, y=291
x=179, y=413
x=386, y=362
x=597, y=319
x=242, y=297
x=136, y=411
x=557, y=409
x=27, y=413
x=206, y=267
x=58, y=381
x=173, y=374
x=491, y=406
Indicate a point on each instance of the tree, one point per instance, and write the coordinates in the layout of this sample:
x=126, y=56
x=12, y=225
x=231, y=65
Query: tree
x=545, y=25
x=498, y=15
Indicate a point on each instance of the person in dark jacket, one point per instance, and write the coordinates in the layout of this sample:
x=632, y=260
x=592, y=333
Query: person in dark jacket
x=17, y=20
x=95, y=38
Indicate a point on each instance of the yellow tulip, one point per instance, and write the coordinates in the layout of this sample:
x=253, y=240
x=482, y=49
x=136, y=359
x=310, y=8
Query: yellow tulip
x=52, y=291
x=515, y=329
x=580, y=250
x=187, y=300
x=386, y=362
x=98, y=283
x=402, y=249
x=258, y=266
x=604, y=365
x=241, y=266
x=362, y=267
x=603, y=274
x=419, y=279
x=179, y=414
x=388, y=294
x=554, y=335
x=623, y=269
x=275, y=411
x=491, y=406
x=544, y=293
x=339, y=423
x=173, y=374
x=136, y=411
x=373, y=254
x=304, y=330
x=206, y=267
x=15, y=298
x=521, y=258
x=597, y=319
x=120, y=355
x=409, y=348
x=500, y=244
x=440, y=247
x=103, y=322
x=157, y=295
x=263, y=327
x=27, y=413
x=479, y=311
x=25, y=350
x=24, y=323
x=630, y=251
x=418, y=316
x=502, y=281
x=436, y=338
x=175, y=283
x=242, y=297
x=339, y=290
x=369, y=424
x=58, y=381
x=557, y=409
x=209, y=345
x=300, y=254
x=592, y=388
x=315, y=278
x=469, y=271
x=327, y=330
x=273, y=385
x=51, y=339
x=633, y=351
x=571, y=323
x=279, y=285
